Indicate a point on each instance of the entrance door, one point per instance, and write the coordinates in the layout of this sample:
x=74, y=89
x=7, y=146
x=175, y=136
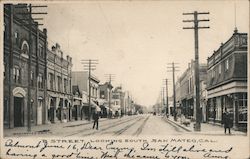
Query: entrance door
x=39, y=112
x=18, y=112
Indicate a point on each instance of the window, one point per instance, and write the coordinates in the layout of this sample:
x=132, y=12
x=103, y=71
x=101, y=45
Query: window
x=5, y=32
x=102, y=94
x=16, y=34
x=40, y=80
x=25, y=48
x=4, y=68
x=226, y=64
x=65, y=85
x=59, y=83
x=32, y=78
x=213, y=73
x=40, y=50
x=17, y=75
x=51, y=81
x=242, y=107
x=219, y=68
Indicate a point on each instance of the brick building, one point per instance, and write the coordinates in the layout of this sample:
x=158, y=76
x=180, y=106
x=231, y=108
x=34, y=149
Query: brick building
x=227, y=81
x=19, y=49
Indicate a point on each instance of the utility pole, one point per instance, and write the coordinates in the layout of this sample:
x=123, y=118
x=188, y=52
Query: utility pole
x=196, y=27
x=173, y=67
x=166, y=83
x=110, y=78
x=30, y=24
x=89, y=65
x=163, y=96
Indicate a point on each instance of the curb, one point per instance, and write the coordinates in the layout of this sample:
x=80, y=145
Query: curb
x=174, y=123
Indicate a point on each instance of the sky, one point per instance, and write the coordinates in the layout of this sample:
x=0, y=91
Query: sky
x=136, y=40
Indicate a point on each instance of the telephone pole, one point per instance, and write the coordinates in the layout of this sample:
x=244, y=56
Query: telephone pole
x=166, y=83
x=89, y=65
x=163, y=96
x=196, y=27
x=173, y=67
x=27, y=17
x=110, y=79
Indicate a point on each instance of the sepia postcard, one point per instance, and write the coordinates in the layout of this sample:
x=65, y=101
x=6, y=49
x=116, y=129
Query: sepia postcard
x=132, y=79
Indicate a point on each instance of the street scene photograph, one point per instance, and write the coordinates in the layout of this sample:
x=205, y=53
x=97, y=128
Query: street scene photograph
x=125, y=68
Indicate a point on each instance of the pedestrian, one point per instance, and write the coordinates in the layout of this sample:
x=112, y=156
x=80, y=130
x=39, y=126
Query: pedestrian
x=95, y=118
x=227, y=120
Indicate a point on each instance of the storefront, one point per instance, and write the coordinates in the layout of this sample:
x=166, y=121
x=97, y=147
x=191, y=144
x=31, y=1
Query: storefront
x=235, y=103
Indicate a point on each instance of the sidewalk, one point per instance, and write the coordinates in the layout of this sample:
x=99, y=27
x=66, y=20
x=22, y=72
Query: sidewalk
x=46, y=129
x=206, y=128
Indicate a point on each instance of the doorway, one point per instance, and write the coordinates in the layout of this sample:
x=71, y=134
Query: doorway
x=18, y=111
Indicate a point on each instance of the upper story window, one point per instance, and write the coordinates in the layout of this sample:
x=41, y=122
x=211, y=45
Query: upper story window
x=4, y=68
x=65, y=85
x=51, y=81
x=16, y=34
x=40, y=50
x=32, y=78
x=213, y=73
x=17, y=75
x=25, y=49
x=226, y=64
x=59, y=83
x=40, y=80
x=219, y=68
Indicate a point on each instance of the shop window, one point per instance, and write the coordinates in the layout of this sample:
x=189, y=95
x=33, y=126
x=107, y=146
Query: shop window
x=242, y=107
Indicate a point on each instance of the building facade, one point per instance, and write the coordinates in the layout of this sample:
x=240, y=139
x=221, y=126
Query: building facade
x=185, y=90
x=59, y=87
x=24, y=68
x=81, y=79
x=117, y=101
x=227, y=81
x=106, y=98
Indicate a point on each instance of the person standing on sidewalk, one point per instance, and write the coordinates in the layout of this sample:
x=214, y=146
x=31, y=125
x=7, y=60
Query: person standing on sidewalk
x=227, y=121
x=96, y=118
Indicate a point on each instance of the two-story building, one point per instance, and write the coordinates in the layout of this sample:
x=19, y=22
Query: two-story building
x=117, y=101
x=106, y=98
x=81, y=79
x=59, y=87
x=24, y=68
x=227, y=81
x=185, y=89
